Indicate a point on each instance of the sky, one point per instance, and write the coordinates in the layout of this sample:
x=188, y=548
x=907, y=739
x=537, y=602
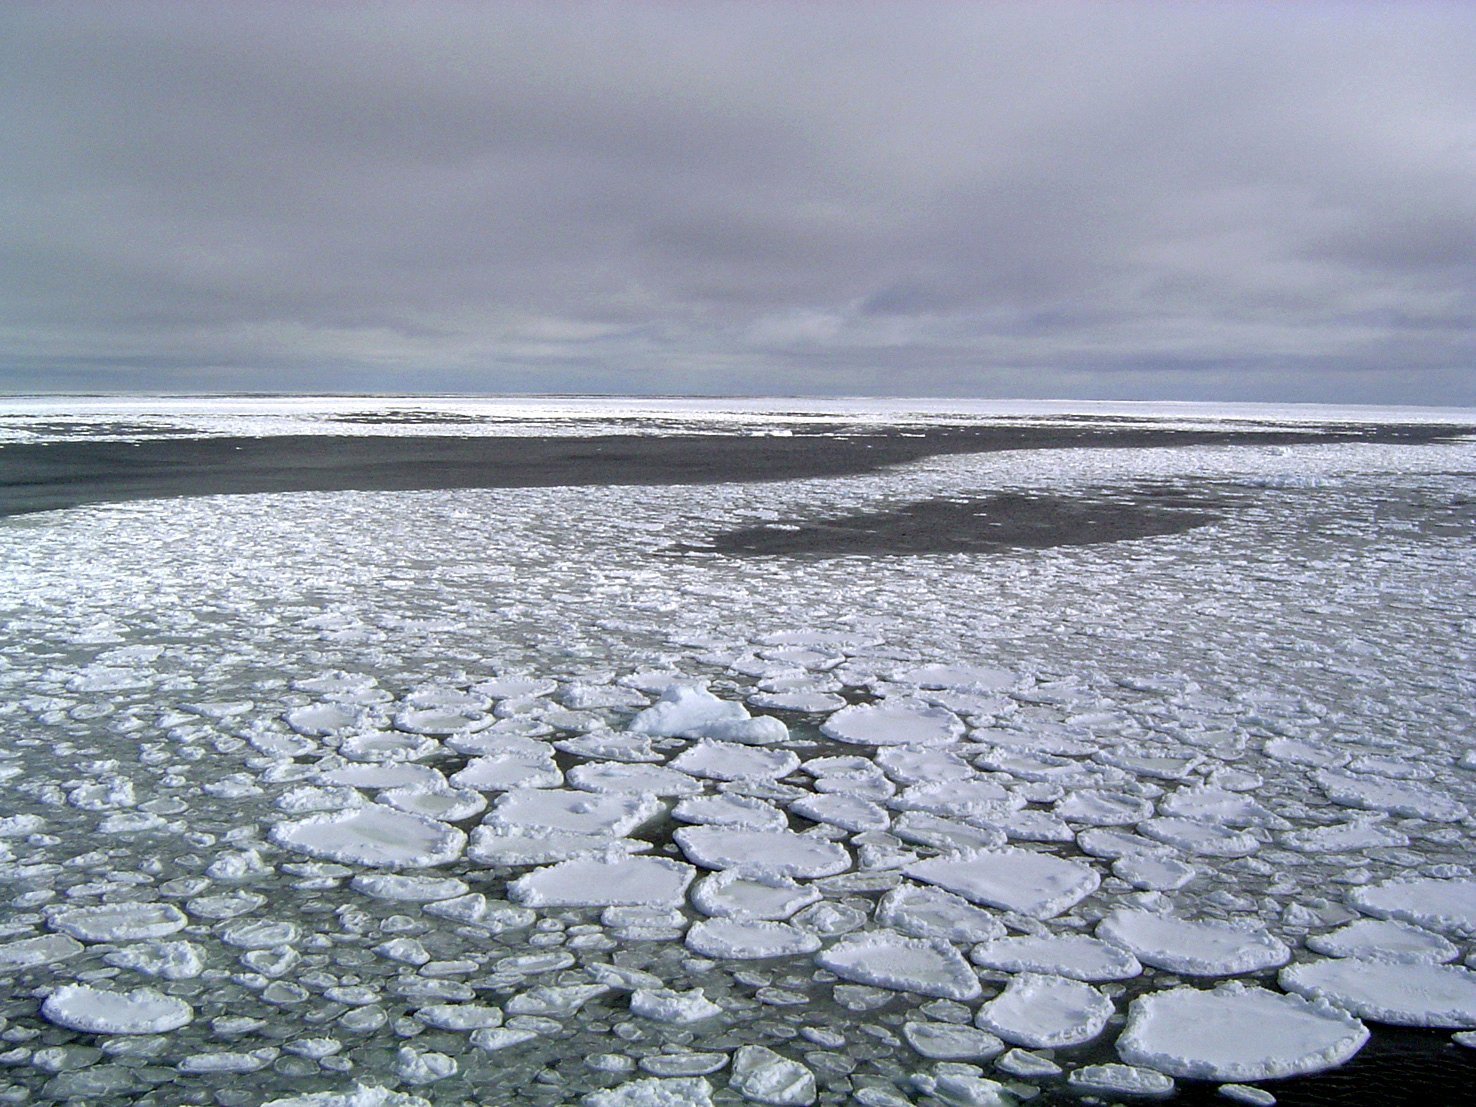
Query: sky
x=1212, y=201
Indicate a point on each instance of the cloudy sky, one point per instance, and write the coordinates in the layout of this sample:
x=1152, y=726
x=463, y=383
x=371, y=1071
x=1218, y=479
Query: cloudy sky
x=1107, y=200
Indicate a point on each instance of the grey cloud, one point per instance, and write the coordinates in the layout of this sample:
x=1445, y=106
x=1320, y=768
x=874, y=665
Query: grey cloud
x=1246, y=200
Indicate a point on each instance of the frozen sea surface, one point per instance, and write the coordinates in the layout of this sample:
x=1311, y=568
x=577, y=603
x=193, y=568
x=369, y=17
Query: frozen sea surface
x=394, y=797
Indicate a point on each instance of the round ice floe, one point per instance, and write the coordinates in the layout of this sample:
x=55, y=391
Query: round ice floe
x=679, y=1091
x=495, y=845
x=534, y=810
x=1156, y=874
x=607, y=745
x=762, y=852
x=318, y=719
x=386, y=745
x=847, y=812
x=611, y=882
x=948, y=835
x=1035, y=766
x=894, y=723
x=1300, y=752
x=1445, y=905
x=1194, y=948
x=98, y=1011
x=732, y=894
x=1165, y=764
x=503, y=772
x=376, y=836
x=118, y=922
x=726, y=809
x=1203, y=839
x=388, y=775
x=749, y=939
x=1236, y=1032
x=408, y=888
x=809, y=703
x=888, y=960
x=735, y=761
x=1217, y=805
x=441, y=721
x=1113, y=844
x=1119, y=1080
x=1384, y=940
x=1095, y=807
x=1022, y=880
x=361, y=1096
x=962, y=798
x=655, y=780
x=1396, y=797
x=30, y=953
x=933, y=913
x=448, y=805
x=1400, y=993
x=1073, y=955
x=1043, y=1011
x=944, y=1041
x=1349, y=837
x=513, y=687
x=920, y=765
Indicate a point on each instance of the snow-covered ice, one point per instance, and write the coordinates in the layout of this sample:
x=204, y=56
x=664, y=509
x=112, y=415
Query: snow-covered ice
x=102, y=1011
x=1032, y=883
x=889, y=960
x=1045, y=1011
x=1194, y=947
x=1399, y=992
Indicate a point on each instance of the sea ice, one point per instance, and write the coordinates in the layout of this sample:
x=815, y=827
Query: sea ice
x=760, y=1075
x=1237, y=1032
x=1043, y=1011
x=118, y=922
x=99, y=1011
x=1396, y=797
x=1202, y=948
x=685, y=1091
x=944, y=1041
x=847, y=812
x=749, y=939
x=1202, y=838
x=728, y=809
x=1384, y=940
x=686, y=712
x=31, y=953
x=504, y=772
x=537, y=810
x=735, y=761
x=1119, y=1080
x=762, y=852
x=408, y=888
x=376, y=836
x=731, y=894
x=450, y=805
x=886, y=959
x=896, y=722
x=1440, y=904
x=672, y=1006
x=926, y=912
x=1073, y=955
x=653, y=780
x=1401, y=993
x=1031, y=883
x=611, y=882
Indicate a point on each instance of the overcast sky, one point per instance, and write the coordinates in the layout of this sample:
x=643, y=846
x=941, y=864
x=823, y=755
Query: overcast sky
x=1104, y=200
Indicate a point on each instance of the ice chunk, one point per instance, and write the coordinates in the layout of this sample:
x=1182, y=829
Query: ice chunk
x=376, y=836
x=1396, y=797
x=118, y=922
x=933, y=913
x=450, y=805
x=1031, y=883
x=1096, y=807
x=656, y=780
x=1348, y=837
x=749, y=939
x=1119, y=1080
x=730, y=810
x=962, y=798
x=492, y=845
x=535, y=810
x=361, y=1096
x=682, y=1091
x=943, y=1041
x=729, y=893
x=501, y=772
x=408, y=888
x=607, y=745
x=847, y=812
x=1202, y=948
x=1217, y=805
x=611, y=882
x=1157, y=874
x=735, y=761
x=961, y=678
x=387, y=775
x=31, y=953
x=667, y=1005
x=1401, y=993
x=948, y=835
x=1205, y=839
x=887, y=959
x=1043, y=1011
x=1237, y=1032
x=805, y=702
x=1385, y=940
x=316, y=720
x=686, y=712
x=1447, y=905
x=895, y=722
x=1073, y=955
x=171, y=960
x=555, y=1001
x=760, y=1075
x=98, y=1011
x=762, y=852
x=920, y=765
